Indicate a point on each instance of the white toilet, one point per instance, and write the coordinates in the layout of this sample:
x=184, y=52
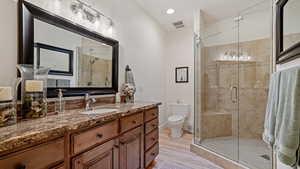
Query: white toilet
x=177, y=118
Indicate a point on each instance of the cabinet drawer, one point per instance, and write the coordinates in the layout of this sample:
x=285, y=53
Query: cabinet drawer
x=151, y=139
x=151, y=114
x=131, y=122
x=39, y=157
x=94, y=136
x=151, y=125
x=151, y=154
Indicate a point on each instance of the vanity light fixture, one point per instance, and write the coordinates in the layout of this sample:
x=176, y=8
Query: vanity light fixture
x=170, y=11
x=234, y=56
x=88, y=12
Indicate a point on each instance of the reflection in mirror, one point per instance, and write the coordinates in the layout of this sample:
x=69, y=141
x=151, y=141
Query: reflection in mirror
x=74, y=60
x=291, y=24
x=95, y=60
x=48, y=56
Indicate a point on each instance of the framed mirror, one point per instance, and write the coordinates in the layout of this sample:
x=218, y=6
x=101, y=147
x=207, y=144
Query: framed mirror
x=80, y=61
x=59, y=60
x=287, y=30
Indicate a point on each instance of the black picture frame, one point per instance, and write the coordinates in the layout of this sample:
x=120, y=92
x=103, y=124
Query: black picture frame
x=291, y=53
x=70, y=54
x=27, y=12
x=183, y=79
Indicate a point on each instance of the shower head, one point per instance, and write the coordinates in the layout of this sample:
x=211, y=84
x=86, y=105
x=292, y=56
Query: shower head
x=238, y=18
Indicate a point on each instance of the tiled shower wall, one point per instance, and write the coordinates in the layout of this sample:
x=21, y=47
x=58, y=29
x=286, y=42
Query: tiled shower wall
x=220, y=116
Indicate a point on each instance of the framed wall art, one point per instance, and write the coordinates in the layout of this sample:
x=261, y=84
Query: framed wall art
x=182, y=74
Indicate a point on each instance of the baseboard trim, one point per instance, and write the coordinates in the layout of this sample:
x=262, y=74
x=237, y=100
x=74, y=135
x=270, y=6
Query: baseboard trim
x=163, y=125
x=216, y=158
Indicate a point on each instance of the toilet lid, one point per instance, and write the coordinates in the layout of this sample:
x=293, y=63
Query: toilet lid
x=175, y=118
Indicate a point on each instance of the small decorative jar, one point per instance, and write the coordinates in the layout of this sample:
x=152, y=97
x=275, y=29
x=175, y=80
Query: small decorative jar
x=33, y=91
x=8, y=111
x=127, y=93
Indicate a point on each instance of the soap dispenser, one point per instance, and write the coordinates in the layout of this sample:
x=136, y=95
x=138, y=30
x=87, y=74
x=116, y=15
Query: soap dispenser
x=60, y=103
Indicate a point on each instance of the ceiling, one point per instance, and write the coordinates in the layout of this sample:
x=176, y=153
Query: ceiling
x=213, y=10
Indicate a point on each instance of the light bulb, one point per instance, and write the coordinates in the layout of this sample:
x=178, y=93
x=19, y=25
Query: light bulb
x=170, y=11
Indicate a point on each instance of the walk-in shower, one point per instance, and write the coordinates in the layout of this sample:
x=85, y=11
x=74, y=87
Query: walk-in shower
x=233, y=66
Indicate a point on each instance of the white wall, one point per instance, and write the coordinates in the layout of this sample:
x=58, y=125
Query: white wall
x=141, y=41
x=143, y=48
x=8, y=42
x=179, y=53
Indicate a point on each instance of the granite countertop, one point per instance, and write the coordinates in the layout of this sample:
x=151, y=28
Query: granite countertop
x=54, y=126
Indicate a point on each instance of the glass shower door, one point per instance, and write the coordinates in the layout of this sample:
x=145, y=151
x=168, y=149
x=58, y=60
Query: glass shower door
x=254, y=72
x=233, y=66
x=217, y=96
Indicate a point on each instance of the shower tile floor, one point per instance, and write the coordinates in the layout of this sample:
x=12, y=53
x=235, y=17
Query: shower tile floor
x=253, y=153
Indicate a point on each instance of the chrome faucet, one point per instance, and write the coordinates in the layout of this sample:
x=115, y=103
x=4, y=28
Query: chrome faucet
x=88, y=101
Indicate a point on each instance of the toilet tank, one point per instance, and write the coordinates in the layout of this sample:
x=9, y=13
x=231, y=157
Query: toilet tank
x=179, y=109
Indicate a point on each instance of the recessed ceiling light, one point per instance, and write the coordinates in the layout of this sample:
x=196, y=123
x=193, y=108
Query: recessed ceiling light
x=170, y=11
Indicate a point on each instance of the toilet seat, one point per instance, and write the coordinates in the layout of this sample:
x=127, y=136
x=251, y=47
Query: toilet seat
x=175, y=118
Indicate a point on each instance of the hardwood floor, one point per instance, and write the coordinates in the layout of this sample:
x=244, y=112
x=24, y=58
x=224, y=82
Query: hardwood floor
x=175, y=154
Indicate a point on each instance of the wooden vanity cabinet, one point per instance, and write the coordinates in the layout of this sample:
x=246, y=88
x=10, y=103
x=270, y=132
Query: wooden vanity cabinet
x=130, y=142
x=104, y=156
x=45, y=156
x=85, y=139
x=131, y=149
x=151, y=146
x=59, y=167
x=130, y=122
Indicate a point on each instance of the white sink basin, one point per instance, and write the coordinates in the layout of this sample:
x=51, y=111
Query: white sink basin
x=99, y=111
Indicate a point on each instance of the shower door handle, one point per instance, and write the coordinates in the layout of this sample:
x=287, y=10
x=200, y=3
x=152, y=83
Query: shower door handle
x=234, y=91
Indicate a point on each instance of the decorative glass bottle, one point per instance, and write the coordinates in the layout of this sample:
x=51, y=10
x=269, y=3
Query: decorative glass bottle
x=8, y=107
x=33, y=91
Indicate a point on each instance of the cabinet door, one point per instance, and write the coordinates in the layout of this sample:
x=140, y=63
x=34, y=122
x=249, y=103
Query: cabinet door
x=131, y=149
x=104, y=156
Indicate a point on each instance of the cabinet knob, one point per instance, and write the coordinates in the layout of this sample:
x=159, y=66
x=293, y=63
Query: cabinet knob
x=153, y=114
x=21, y=166
x=153, y=154
x=99, y=135
x=153, y=139
x=134, y=122
x=153, y=125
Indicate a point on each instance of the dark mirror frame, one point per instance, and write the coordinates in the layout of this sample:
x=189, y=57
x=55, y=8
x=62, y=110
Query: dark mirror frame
x=70, y=54
x=28, y=12
x=293, y=52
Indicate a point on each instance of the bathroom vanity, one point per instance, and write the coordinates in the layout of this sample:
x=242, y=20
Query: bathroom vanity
x=123, y=139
